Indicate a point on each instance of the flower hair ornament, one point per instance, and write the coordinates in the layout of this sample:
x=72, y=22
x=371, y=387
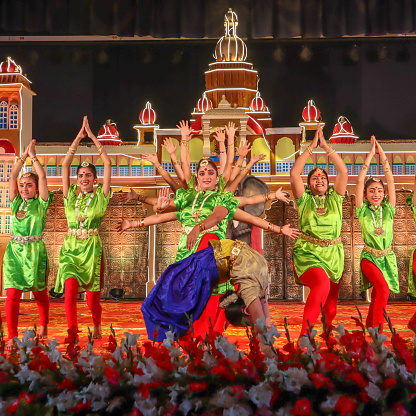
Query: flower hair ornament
x=26, y=175
x=85, y=164
x=204, y=162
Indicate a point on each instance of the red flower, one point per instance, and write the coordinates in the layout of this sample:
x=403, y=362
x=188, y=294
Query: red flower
x=402, y=352
x=80, y=406
x=302, y=408
x=358, y=379
x=388, y=382
x=112, y=375
x=4, y=377
x=319, y=380
x=345, y=406
x=15, y=405
x=223, y=372
x=111, y=343
x=195, y=386
x=399, y=410
x=238, y=390
x=358, y=322
x=66, y=384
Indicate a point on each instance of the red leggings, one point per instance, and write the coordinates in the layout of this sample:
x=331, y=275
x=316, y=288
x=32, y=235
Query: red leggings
x=12, y=309
x=323, y=292
x=379, y=294
x=212, y=310
x=93, y=302
x=412, y=322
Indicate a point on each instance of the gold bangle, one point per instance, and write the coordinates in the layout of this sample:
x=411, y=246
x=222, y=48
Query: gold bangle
x=21, y=159
x=221, y=151
x=159, y=168
x=387, y=170
x=141, y=223
x=184, y=143
x=176, y=162
x=270, y=227
x=159, y=210
x=71, y=151
x=331, y=152
x=385, y=161
x=238, y=166
x=100, y=150
x=266, y=197
x=142, y=198
x=364, y=167
x=201, y=226
x=246, y=170
x=309, y=149
x=34, y=159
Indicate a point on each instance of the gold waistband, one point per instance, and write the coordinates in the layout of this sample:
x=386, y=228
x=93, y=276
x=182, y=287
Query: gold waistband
x=375, y=252
x=323, y=242
x=25, y=239
x=82, y=233
x=187, y=230
x=235, y=252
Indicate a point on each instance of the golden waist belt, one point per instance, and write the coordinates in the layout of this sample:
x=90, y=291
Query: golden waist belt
x=375, y=252
x=323, y=242
x=187, y=230
x=235, y=252
x=25, y=239
x=82, y=233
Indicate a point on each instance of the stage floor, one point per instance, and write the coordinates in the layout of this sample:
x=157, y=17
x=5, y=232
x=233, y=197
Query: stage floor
x=125, y=316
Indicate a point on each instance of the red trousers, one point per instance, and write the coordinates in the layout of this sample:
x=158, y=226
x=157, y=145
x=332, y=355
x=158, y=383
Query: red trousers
x=412, y=322
x=93, y=302
x=212, y=310
x=323, y=292
x=379, y=294
x=12, y=309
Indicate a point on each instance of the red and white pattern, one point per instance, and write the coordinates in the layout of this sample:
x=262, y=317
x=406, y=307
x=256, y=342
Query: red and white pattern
x=343, y=132
x=148, y=115
x=311, y=113
x=10, y=66
x=257, y=103
x=108, y=134
x=204, y=104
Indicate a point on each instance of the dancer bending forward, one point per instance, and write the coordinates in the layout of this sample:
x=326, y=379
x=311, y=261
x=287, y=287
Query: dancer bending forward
x=318, y=253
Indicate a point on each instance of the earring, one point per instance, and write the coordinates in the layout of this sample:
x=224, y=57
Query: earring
x=95, y=181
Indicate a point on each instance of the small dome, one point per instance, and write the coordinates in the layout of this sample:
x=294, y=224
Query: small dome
x=311, y=113
x=343, y=132
x=230, y=47
x=204, y=104
x=148, y=115
x=7, y=147
x=257, y=103
x=10, y=66
x=108, y=134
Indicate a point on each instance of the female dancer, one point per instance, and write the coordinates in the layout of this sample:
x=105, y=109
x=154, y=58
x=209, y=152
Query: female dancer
x=81, y=262
x=375, y=212
x=25, y=264
x=318, y=254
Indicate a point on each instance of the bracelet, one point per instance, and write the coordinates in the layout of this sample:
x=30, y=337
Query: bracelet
x=142, y=198
x=21, y=159
x=34, y=159
x=266, y=197
x=159, y=210
x=176, y=162
x=201, y=226
x=364, y=167
x=140, y=223
x=309, y=149
x=238, y=166
x=100, y=149
x=71, y=151
x=387, y=170
x=331, y=151
x=159, y=168
x=184, y=143
x=221, y=151
x=246, y=170
x=270, y=227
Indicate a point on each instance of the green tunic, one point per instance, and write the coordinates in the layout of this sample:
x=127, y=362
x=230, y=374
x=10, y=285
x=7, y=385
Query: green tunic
x=25, y=265
x=412, y=278
x=81, y=259
x=387, y=264
x=326, y=226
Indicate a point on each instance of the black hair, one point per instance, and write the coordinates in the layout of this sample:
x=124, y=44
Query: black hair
x=373, y=179
x=313, y=171
x=33, y=175
x=210, y=162
x=90, y=166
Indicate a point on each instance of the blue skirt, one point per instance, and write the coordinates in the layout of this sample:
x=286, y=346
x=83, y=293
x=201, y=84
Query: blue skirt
x=182, y=291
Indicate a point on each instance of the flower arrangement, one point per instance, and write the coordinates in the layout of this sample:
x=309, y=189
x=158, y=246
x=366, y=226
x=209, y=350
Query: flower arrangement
x=349, y=373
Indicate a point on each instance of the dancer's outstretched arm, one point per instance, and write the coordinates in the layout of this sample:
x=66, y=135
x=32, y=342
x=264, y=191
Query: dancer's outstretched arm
x=359, y=188
x=219, y=136
x=14, y=174
x=171, y=149
x=286, y=230
x=242, y=153
x=391, y=189
x=230, y=130
x=42, y=183
x=257, y=199
x=185, y=160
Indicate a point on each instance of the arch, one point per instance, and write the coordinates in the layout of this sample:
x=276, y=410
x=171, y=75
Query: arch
x=196, y=149
x=309, y=161
x=359, y=160
x=283, y=149
x=136, y=162
x=51, y=161
x=75, y=161
x=397, y=159
x=124, y=162
x=321, y=160
x=260, y=147
x=410, y=159
x=347, y=159
x=88, y=160
x=99, y=162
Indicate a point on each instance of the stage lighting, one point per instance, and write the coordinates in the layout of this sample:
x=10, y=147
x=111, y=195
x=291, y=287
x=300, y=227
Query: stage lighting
x=382, y=52
x=117, y=294
x=306, y=54
x=279, y=54
x=354, y=53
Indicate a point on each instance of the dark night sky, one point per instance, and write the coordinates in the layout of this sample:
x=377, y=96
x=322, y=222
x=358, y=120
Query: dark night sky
x=115, y=79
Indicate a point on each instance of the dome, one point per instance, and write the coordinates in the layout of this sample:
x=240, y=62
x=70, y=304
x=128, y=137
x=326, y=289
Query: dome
x=108, y=134
x=148, y=115
x=204, y=104
x=10, y=66
x=311, y=113
x=343, y=132
x=230, y=47
x=257, y=103
x=7, y=147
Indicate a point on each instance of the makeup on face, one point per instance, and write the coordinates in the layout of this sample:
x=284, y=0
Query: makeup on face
x=27, y=187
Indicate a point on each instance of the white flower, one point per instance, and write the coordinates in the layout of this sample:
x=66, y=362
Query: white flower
x=130, y=340
x=29, y=334
x=294, y=378
x=68, y=370
x=25, y=375
x=64, y=401
x=404, y=374
x=340, y=329
x=185, y=407
x=284, y=411
x=168, y=341
x=227, y=349
x=373, y=391
x=209, y=360
x=371, y=371
x=5, y=365
x=270, y=334
x=388, y=368
x=238, y=410
x=115, y=404
x=329, y=404
x=224, y=398
x=261, y=394
x=272, y=371
x=147, y=406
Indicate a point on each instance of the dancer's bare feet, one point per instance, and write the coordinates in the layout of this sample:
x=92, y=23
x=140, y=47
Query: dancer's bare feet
x=97, y=334
x=11, y=345
x=43, y=332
